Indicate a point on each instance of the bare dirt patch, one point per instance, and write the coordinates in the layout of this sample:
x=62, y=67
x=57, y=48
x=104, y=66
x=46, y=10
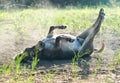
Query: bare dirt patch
x=12, y=43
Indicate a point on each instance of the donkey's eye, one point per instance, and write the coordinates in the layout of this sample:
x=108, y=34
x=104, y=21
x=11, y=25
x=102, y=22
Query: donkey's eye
x=42, y=44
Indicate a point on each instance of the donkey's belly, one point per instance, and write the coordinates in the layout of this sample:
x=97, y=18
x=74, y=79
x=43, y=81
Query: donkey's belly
x=57, y=55
x=67, y=50
x=70, y=46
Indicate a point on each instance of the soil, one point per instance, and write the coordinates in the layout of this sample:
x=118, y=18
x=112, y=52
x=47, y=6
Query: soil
x=13, y=43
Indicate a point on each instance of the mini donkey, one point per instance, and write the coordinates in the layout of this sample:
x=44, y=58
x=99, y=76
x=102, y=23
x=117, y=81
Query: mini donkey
x=63, y=46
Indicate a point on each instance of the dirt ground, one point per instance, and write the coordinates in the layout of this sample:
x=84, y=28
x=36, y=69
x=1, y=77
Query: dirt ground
x=12, y=44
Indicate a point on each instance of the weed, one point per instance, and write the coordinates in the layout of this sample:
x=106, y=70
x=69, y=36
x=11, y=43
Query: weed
x=117, y=58
x=98, y=64
x=48, y=77
x=34, y=63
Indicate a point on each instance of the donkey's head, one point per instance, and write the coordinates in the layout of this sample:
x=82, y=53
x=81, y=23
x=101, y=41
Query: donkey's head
x=29, y=53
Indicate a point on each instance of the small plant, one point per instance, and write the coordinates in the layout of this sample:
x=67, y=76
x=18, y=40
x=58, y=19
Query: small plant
x=34, y=63
x=78, y=57
x=35, y=60
x=98, y=64
x=75, y=67
x=49, y=77
x=19, y=60
x=3, y=69
x=117, y=58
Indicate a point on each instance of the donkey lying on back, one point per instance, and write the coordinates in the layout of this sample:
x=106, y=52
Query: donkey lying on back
x=63, y=46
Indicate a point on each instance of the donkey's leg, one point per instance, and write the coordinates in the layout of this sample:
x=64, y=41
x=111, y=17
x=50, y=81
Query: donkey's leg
x=50, y=33
x=94, y=26
x=88, y=42
x=59, y=38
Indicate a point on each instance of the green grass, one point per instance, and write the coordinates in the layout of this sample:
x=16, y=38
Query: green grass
x=117, y=58
x=21, y=21
x=73, y=18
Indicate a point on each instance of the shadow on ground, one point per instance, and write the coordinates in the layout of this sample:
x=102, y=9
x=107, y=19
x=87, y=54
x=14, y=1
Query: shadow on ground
x=12, y=46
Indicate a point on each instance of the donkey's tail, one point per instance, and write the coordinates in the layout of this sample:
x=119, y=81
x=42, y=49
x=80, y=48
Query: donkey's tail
x=101, y=49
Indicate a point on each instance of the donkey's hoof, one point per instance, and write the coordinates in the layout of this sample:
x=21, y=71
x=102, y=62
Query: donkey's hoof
x=102, y=14
x=62, y=27
x=52, y=28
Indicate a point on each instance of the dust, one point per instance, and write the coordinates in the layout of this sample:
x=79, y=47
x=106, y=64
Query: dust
x=13, y=43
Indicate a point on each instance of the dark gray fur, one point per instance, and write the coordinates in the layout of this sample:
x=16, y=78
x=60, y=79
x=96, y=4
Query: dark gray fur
x=65, y=46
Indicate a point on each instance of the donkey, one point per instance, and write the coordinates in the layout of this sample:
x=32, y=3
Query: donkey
x=64, y=46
